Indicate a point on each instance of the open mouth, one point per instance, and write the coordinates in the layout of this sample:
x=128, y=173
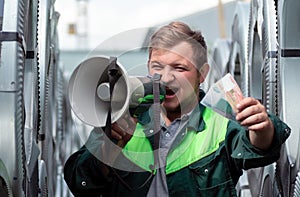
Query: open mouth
x=170, y=92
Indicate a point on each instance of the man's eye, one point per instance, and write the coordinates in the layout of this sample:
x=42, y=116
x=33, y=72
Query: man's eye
x=180, y=68
x=156, y=66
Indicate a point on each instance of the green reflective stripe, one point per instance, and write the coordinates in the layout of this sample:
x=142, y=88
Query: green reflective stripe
x=194, y=146
x=197, y=145
x=139, y=150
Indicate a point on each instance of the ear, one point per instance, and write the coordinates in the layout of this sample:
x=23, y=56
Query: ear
x=203, y=71
x=148, y=63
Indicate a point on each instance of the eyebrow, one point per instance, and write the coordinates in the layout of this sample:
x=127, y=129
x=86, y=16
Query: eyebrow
x=155, y=62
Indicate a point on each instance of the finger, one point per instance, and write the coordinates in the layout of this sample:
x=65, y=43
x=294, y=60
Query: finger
x=260, y=126
x=122, y=136
x=118, y=129
x=127, y=124
x=116, y=135
x=246, y=102
x=254, y=119
x=249, y=111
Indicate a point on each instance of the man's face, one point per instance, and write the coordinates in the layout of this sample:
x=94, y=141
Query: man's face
x=180, y=75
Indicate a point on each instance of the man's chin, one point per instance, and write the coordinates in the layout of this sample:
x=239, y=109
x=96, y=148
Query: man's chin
x=171, y=108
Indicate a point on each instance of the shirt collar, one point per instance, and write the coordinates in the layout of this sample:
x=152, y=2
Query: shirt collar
x=196, y=122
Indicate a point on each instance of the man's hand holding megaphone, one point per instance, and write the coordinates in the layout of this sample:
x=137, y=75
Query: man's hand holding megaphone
x=101, y=94
x=123, y=129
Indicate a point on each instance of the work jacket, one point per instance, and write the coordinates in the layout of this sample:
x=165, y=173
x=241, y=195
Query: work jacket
x=215, y=172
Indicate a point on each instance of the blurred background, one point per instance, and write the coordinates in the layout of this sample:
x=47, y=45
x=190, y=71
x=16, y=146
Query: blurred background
x=43, y=41
x=117, y=27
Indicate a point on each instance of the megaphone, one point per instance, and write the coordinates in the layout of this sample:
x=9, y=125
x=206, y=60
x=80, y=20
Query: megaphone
x=100, y=86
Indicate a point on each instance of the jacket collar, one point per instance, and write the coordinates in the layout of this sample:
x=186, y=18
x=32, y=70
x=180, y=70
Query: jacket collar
x=195, y=122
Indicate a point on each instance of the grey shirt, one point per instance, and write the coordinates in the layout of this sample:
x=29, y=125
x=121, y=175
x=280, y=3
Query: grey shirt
x=170, y=137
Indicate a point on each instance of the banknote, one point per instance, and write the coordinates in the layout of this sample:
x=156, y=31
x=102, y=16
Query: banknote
x=233, y=93
x=223, y=96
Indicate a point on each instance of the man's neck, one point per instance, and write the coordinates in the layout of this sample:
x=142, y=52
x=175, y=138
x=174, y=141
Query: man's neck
x=169, y=117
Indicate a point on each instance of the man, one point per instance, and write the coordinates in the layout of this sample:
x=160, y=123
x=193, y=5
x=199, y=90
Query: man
x=196, y=152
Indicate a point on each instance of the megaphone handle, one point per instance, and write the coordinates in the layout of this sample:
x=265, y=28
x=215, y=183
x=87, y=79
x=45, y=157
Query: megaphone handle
x=156, y=117
x=113, y=76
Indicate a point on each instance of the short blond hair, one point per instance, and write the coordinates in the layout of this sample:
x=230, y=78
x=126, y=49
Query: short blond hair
x=174, y=33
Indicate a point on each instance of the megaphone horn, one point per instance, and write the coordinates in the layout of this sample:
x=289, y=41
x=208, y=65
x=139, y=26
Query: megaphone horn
x=94, y=90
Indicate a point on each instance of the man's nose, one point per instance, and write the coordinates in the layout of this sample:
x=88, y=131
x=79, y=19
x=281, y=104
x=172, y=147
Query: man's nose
x=167, y=76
